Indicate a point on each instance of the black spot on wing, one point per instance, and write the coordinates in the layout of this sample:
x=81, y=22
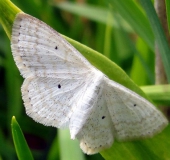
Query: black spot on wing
x=59, y=86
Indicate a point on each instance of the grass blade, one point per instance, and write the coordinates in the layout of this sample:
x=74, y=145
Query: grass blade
x=160, y=94
x=91, y=12
x=143, y=63
x=135, y=18
x=22, y=149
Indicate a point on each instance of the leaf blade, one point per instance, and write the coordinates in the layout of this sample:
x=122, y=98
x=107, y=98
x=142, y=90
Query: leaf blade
x=131, y=12
x=22, y=149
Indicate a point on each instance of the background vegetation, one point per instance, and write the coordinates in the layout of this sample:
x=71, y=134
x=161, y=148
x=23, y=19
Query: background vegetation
x=120, y=31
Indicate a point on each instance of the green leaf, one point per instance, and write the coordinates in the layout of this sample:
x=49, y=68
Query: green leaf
x=8, y=12
x=108, y=35
x=98, y=14
x=69, y=149
x=21, y=147
x=138, y=53
x=135, y=17
x=160, y=94
x=156, y=148
x=53, y=153
x=143, y=63
x=160, y=38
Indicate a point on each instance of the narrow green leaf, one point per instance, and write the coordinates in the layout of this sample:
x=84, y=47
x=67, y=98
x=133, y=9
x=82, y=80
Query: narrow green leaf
x=168, y=12
x=160, y=94
x=88, y=11
x=53, y=153
x=160, y=38
x=21, y=147
x=91, y=12
x=142, y=72
x=108, y=35
x=137, y=53
x=120, y=49
x=69, y=149
x=135, y=18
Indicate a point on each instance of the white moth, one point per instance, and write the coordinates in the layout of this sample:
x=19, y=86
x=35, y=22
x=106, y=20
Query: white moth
x=62, y=89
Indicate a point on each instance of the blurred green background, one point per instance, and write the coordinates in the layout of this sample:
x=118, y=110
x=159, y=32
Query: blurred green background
x=96, y=24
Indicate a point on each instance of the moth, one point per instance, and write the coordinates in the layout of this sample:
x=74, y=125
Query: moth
x=62, y=89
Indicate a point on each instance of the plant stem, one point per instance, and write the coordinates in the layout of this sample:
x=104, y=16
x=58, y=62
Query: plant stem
x=160, y=77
